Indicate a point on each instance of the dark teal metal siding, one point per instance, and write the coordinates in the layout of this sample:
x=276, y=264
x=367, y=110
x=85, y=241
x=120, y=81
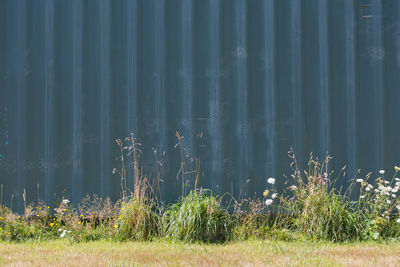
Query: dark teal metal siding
x=242, y=81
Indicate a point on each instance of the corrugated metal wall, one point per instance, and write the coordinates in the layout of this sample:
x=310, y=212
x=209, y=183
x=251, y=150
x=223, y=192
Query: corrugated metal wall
x=242, y=81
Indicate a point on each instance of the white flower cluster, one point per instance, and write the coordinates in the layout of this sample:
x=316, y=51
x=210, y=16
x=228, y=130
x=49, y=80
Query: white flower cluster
x=63, y=232
x=269, y=201
x=382, y=197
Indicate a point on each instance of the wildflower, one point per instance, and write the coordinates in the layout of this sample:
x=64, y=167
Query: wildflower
x=398, y=220
x=51, y=224
x=388, y=201
x=369, y=187
x=293, y=188
x=386, y=182
x=361, y=197
x=268, y=202
x=398, y=207
x=274, y=195
x=376, y=190
x=60, y=229
x=63, y=233
x=394, y=190
x=271, y=180
x=79, y=222
x=360, y=180
x=266, y=192
x=394, y=196
x=396, y=168
x=115, y=225
x=382, y=172
x=81, y=215
x=397, y=179
x=65, y=201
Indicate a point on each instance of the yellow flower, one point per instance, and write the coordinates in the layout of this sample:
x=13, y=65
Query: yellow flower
x=79, y=222
x=51, y=224
x=115, y=225
x=266, y=192
x=19, y=217
x=81, y=215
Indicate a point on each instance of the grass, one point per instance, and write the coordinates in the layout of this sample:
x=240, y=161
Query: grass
x=313, y=209
x=250, y=253
x=198, y=216
x=313, y=223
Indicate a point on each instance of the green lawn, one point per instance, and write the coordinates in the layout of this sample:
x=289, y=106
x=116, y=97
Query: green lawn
x=249, y=253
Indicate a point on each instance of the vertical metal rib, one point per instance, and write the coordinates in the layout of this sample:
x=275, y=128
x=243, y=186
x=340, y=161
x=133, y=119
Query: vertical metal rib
x=77, y=18
x=131, y=68
x=104, y=79
x=20, y=86
x=323, y=75
x=378, y=88
x=268, y=35
x=159, y=64
x=296, y=81
x=240, y=77
x=350, y=78
x=214, y=101
x=49, y=99
x=186, y=70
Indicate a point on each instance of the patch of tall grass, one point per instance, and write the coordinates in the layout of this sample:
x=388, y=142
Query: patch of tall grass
x=317, y=209
x=199, y=216
x=310, y=207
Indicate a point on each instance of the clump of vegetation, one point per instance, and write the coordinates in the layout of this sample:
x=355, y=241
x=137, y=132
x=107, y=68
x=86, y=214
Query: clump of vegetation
x=312, y=208
x=252, y=219
x=317, y=209
x=198, y=216
x=137, y=220
x=379, y=202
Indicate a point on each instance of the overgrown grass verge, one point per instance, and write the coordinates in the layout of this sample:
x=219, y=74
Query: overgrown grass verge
x=310, y=207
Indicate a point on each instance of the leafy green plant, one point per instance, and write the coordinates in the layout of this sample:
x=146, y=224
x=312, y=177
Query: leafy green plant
x=252, y=219
x=137, y=220
x=198, y=216
x=379, y=201
x=318, y=210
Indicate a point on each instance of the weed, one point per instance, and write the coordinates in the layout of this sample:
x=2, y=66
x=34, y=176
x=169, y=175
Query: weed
x=137, y=220
x=198, y=216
